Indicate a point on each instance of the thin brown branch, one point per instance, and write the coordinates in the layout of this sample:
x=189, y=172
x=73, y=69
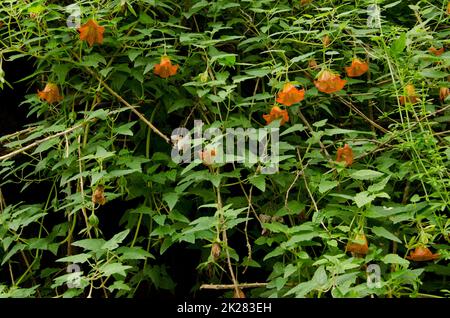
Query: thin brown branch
x=232, y=286
x=38, y=142
x=132, y=108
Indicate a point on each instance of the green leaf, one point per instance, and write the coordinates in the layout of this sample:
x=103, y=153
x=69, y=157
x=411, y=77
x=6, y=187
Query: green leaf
x=394, y=259
x=114, y=268
x=79, y=258
x=258, y=181
x=276, y=252
x=381, y=231
x=135, y=252
x=124, y=129
x=90, y=244
x=276, y=227
x=46, y=145
x=326, y=185
x=432, y=73
x=363, y=198
x=302, y=57
x=114, y=242
x=365, y=174
x=379, y=186
x=171, y=199
x=398, y=45
x=296, y=127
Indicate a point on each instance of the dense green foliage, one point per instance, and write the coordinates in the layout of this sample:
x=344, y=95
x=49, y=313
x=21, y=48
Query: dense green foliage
x=289, y=231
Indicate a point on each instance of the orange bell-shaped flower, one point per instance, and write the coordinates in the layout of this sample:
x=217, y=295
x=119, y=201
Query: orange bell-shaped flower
x=50, y=93
x=91, y=32
x=329, y=82
x=290, y=95
x=165, y=68
x=422, y=254
x=357, y=68
x=275, y=113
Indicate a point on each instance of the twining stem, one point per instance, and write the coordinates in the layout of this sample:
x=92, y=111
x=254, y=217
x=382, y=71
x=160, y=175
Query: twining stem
x=225, y=240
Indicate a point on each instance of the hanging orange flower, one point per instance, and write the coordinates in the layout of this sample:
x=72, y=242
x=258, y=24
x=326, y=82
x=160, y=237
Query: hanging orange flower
x=207, y=156
x=275, y=113
x=345, y=154
x=443, y=93
x=357, y=68
x=410, y=96
x=290, y=95
x=448, y=8
x=437, y=52
x=329, y=82
x=359, y=246
x=50, y=93
x=91, y=32
x=421, y=254
x=165, y=68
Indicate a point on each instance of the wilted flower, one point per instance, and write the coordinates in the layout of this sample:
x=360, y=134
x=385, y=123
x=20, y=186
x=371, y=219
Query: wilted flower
x=238, y=293
x=99, y=196
x=326, y=40
x=215, y=251
x=50, y=93
x=359, y=246
x=275, y=113
x=421, y=254
x=290, y=95
x=312, y=63
x=207, y=156
x=435, y=51
x=443, y=93
x=357, y=68
x=329, y=82
x=165, y=68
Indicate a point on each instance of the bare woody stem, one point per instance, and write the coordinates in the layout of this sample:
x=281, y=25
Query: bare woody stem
x=232, y=286
x=131, y=107
x=38, y=142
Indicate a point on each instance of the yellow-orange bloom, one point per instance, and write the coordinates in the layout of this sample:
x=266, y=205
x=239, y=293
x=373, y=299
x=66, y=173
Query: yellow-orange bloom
x=329, y=82
x=275, y=113
x=357, y=68
x=421, y=254
x=91, y=32
x=290, y=95
x=50, y=93
x=165, y=68
x=345, y=154
x=410, y=96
